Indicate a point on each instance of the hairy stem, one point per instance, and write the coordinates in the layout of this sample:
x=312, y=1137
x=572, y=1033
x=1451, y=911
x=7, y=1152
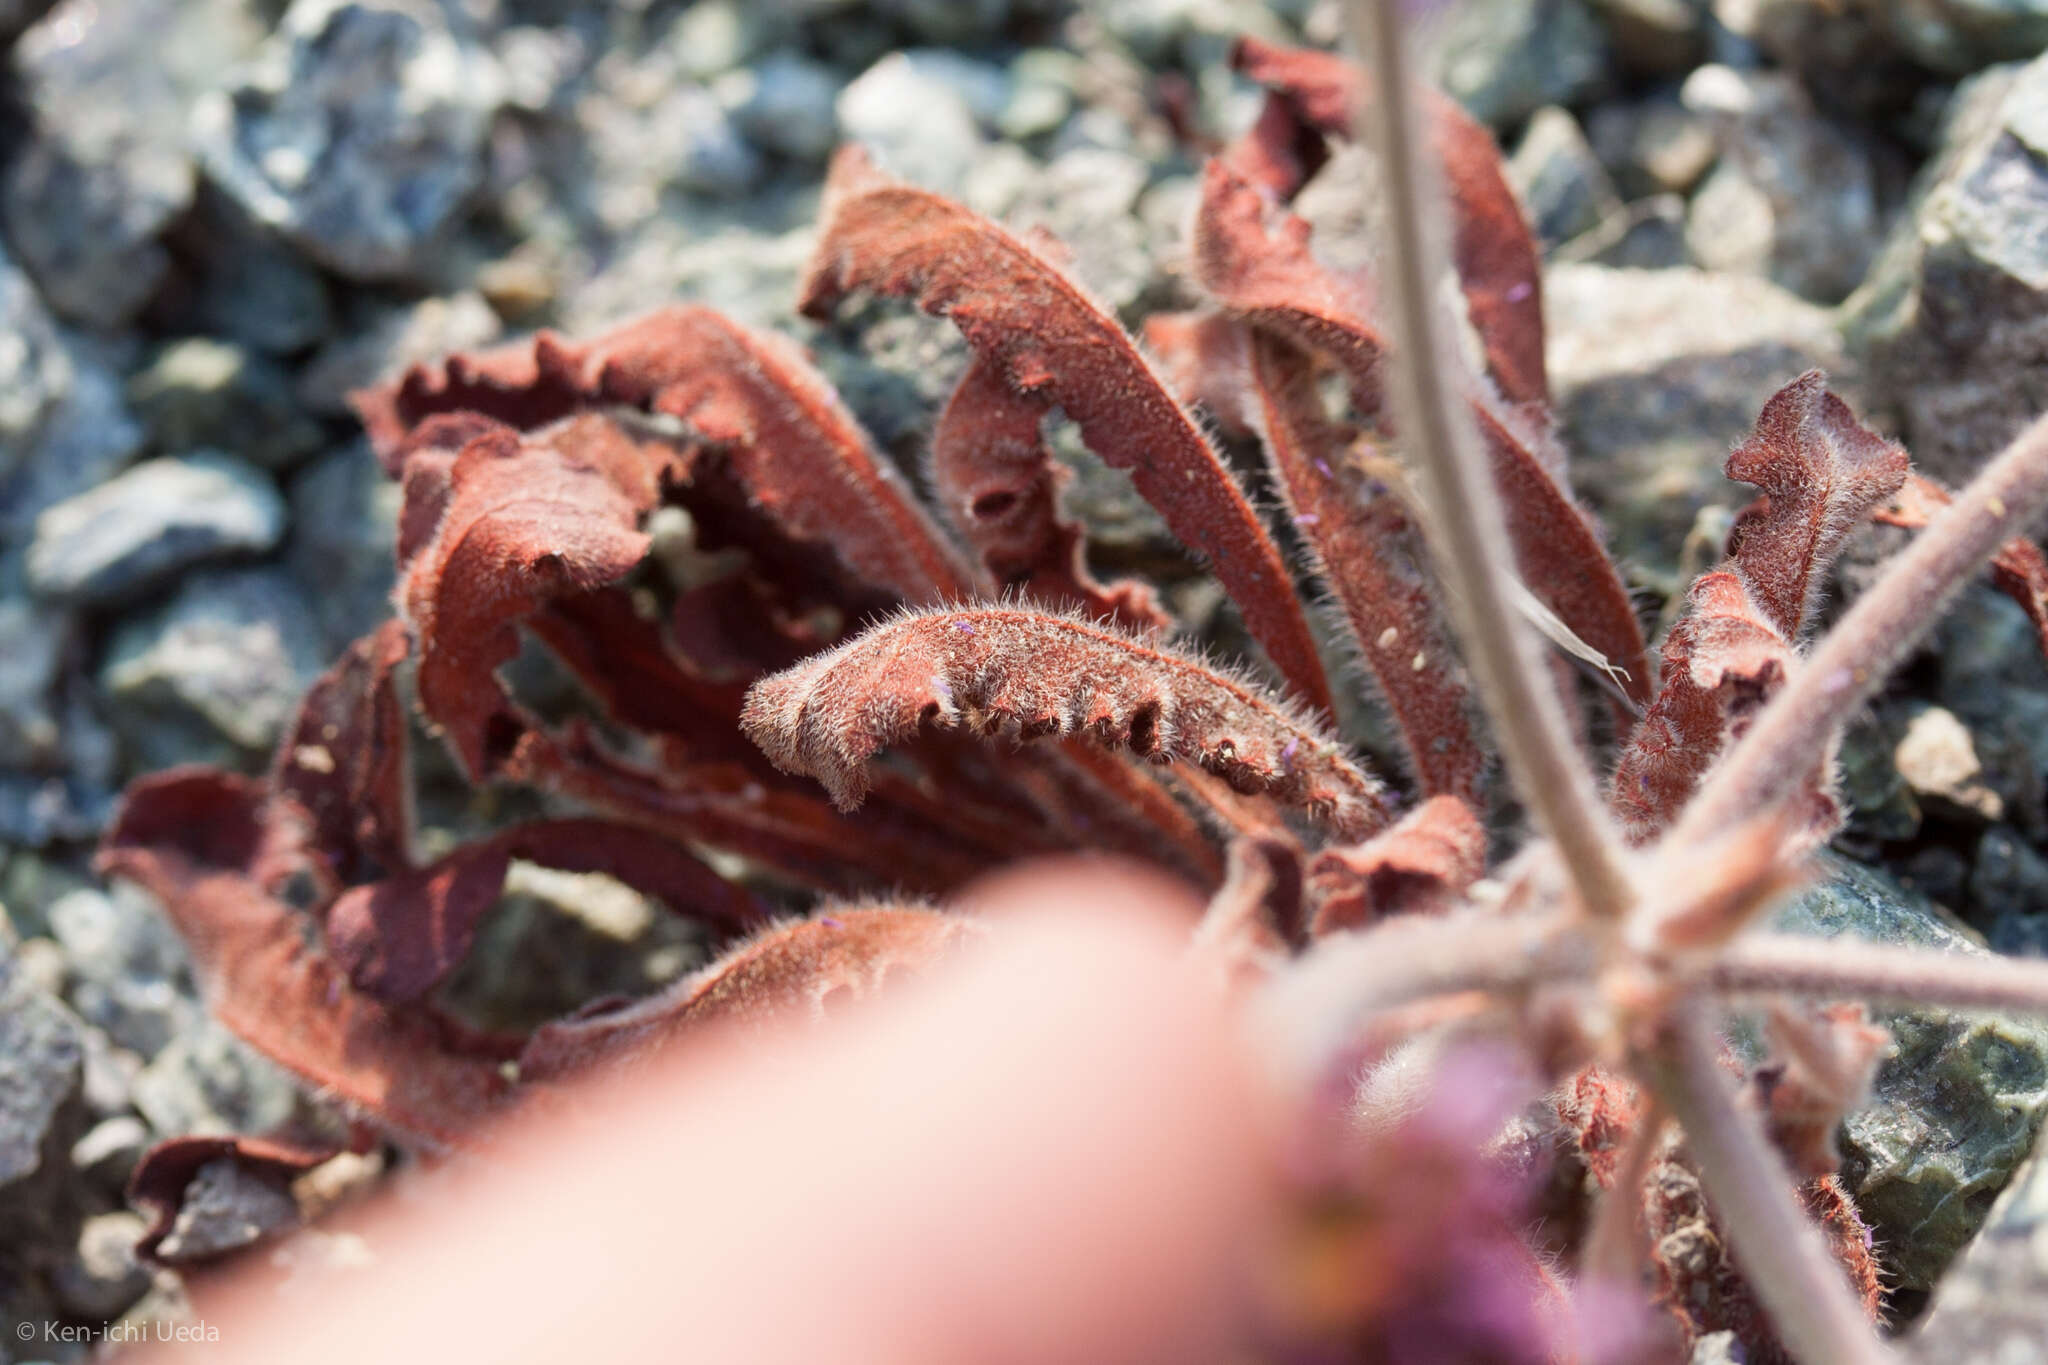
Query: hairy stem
x=1314, y=1008
x=1791, y=734
x=1780, y=964
x=1782, y=1254
x=1618, y=1247
x=1472, y=548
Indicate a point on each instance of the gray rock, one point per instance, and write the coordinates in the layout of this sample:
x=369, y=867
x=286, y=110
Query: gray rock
x=1505, y=59
x=716, y=36
x=1796, y=198
x=1086, y=199
x=1954, y=316
x=110, y=1149
x=358, y=132
x=1993, y=1305
x=1653, y=145
x=787, y=103
x=1956, y=1105
x=343, y=542
x=645, y=132
x=208, y=1081
x=748, y=274
x=2009, y=890
x=200, y=392
x=1658, y=374
x=41, y=1055
x=1655, y=37
x=393, y=338
x=1987, y=658
x=102, y=1277
x=37, y=811
x=141, y=528
x=1044, y=84
x=248, y=284
x=87, y=436
x=35, y=369
x=1648, y=234
x=214, y=674
x=227, y=1208
x=917, y=124
x=985, y=87
x=1563, y=187
x=1952, y=37
x=105, y=169
x=31, y=644
x=130, y=977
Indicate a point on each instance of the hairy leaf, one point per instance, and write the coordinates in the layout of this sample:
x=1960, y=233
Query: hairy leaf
x=999, y=483
x=205, y=845
x=1421, y=864
x=1318, y=94
x=1029, y=674
x=1022, y=313
x=804, y=969
x=344, y=762
x=1263, y=271
x=1822, y=472
x=399, y=938
x=1363, y=544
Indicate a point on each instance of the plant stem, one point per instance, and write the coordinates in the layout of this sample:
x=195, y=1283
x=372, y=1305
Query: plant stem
x=1618, y=1248
x=1790, y=737
x=1781, y=964
x=1507, y=661
x=1782, y=1255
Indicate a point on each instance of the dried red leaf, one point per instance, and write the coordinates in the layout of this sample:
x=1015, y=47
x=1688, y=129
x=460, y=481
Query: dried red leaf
x=1260, y=268
x=1032, y=674
x=1256, y=916
x=206, y=844
x=344, y=761
x=1025, y=315
x=999, y=483
x=399, y=938
x=1420, y=865
x=1364, y=545
x=160, y=1179
x=806, y=969
x=1319, y=94
x=527, y=519
x=1722, y=662
x=2019, y=569
x=751, y=398
x=1822, y=472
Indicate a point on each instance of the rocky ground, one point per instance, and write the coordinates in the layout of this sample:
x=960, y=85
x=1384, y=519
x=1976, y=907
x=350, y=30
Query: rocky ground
x=218, y=216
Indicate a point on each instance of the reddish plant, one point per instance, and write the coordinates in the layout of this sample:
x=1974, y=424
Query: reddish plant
x=686, y=518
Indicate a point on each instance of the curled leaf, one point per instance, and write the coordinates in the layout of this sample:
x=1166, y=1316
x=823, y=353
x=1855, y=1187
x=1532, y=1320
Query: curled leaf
x=166, y=1172
x=1421, y=864
x=804, y=969
x=2019, y=569
x=1000, y=484
x=1030, y=674
x=1822, y=472
x=1026, y=317
x=1318, y=95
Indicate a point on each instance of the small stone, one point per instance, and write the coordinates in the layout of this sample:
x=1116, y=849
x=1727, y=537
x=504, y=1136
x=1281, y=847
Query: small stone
x=200, y=392
x=129, y=969
x=1563, y=186
x=35, y=371
x=41, y=1057
x=2009, y=889
x=789, y=106
x=1937, y=760
x=141, y=528
x=715, y=36
x=248, y=284
x=214, y=674
x=84, y=440
x=1993, y=1305
x=208, y=1081
x=31, y=644
x=110, y=1149
x=984, y=87
x=226, y=1208
x=358, y=132
x=103, y=1277
x=1796, y=197
x=1654, y=145
x=917, y=125
x=1655, y=37
x=1505, y=59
